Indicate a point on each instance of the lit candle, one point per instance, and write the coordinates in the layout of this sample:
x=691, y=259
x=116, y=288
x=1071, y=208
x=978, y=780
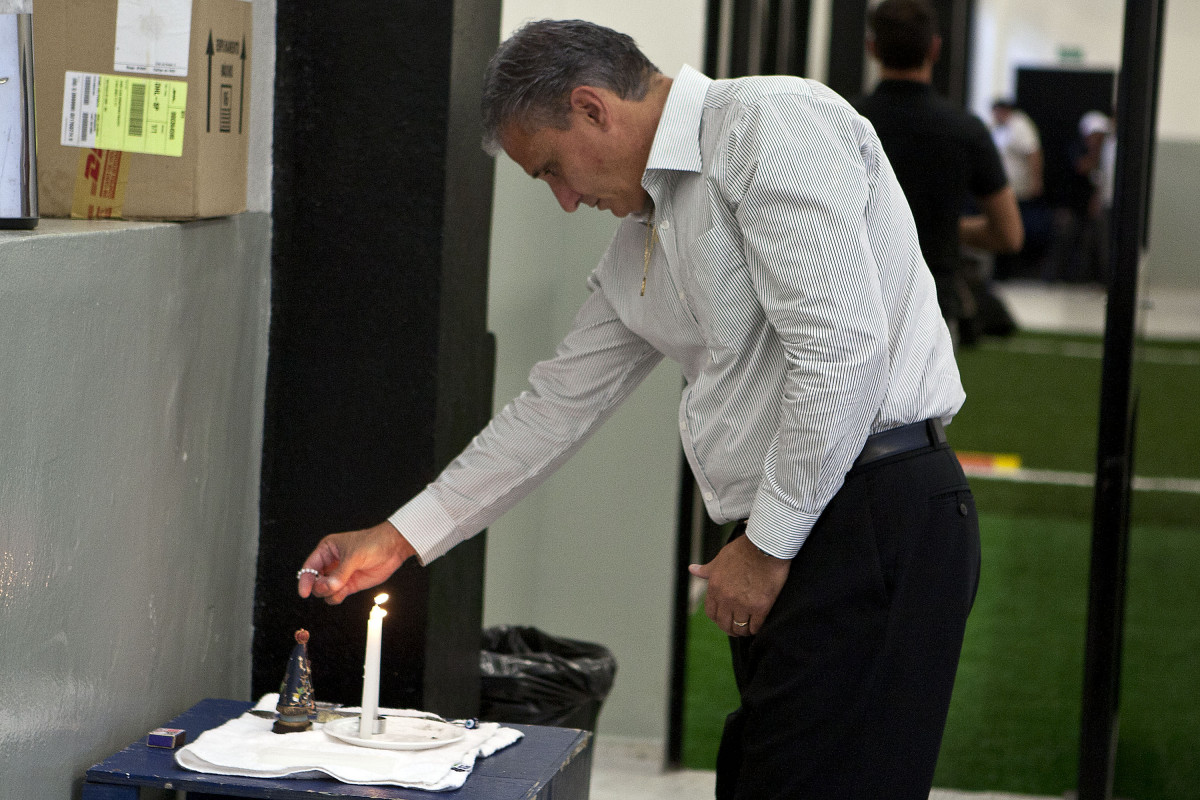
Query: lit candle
x=370, y=695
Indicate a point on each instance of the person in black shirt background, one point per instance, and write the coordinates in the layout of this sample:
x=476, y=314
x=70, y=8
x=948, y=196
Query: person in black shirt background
x=943, y=156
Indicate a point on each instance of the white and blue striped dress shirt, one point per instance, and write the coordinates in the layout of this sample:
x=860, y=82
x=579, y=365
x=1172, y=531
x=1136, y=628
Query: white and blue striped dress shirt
x=788, y=284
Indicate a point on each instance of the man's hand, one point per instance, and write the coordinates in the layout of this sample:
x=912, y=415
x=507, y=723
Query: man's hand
x=345, y=563
x=743, y=583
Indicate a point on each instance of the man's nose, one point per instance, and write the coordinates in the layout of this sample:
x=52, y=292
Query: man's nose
x=566, y=197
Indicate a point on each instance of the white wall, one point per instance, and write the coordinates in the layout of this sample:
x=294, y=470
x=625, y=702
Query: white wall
x=1031, y=33
x=590, y=554
x=1178, y=111
x=262, y=106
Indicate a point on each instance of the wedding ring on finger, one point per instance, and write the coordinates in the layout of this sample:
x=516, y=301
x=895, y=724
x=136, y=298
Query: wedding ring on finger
x=308, y=570
x=741, y=624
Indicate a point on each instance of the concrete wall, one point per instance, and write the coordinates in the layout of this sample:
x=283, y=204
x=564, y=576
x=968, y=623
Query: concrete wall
x=133, y=359
x=590, y=554
x=132, y=367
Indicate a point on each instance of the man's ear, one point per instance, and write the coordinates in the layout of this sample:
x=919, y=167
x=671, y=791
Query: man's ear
x=935, y=49
x=592, y=104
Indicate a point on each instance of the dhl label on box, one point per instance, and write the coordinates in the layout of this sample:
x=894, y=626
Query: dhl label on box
x=118, y=112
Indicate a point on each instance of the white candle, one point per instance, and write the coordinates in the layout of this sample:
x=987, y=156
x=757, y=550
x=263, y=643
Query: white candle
x=370, y=695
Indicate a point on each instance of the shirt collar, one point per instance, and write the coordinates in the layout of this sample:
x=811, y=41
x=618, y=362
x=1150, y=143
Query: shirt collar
x=676, y=143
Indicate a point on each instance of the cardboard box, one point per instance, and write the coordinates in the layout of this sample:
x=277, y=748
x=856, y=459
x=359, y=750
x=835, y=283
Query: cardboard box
x=142, y=106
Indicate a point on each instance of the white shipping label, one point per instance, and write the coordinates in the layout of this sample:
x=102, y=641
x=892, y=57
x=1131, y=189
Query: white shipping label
x=153, y=37
x=81, y=99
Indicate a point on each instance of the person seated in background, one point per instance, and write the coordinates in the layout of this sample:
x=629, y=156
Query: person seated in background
x=1080, y=225
x=1020, y=147
x=1098, y=161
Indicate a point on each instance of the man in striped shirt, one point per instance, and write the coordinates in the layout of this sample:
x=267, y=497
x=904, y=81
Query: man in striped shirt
x=766, y=247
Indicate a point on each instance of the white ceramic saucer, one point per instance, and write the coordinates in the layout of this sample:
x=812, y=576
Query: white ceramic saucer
x=398, y=733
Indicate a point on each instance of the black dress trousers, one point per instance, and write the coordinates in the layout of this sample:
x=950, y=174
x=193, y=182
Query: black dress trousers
x=846, y=687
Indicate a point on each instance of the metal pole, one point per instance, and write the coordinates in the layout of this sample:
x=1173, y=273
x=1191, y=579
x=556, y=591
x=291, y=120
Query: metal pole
x=1135, y=129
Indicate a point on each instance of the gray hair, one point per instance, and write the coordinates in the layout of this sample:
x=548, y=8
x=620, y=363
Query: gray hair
x=531, y=76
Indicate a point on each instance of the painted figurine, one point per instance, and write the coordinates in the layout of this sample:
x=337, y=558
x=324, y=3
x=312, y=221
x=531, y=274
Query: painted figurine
x=296, y=701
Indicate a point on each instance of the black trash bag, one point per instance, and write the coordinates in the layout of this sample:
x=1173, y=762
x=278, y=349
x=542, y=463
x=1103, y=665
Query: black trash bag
x=532, y=677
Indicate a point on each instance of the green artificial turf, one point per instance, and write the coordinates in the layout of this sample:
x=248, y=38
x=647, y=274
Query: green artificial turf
x=1039, y=396
x=1014, y=715
x=710, y=693
x=1014, y=718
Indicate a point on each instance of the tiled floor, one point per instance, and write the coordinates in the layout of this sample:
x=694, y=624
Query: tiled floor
x=1164, y=313
x=621, y=772
x=627, y=771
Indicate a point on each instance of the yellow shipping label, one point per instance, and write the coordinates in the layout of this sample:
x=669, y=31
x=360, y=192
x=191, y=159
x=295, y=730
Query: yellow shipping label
x=130, y=114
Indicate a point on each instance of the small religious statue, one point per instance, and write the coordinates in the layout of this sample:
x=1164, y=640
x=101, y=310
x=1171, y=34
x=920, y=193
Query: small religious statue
x=296, y=701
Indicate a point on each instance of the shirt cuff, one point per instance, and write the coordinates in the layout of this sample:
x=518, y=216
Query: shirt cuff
x=778, y=529
x=426, y=526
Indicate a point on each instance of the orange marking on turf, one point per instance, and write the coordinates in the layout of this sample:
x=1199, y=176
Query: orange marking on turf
x=988, y=462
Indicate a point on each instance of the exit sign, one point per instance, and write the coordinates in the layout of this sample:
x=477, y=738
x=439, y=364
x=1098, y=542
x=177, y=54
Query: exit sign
x=1070, y=54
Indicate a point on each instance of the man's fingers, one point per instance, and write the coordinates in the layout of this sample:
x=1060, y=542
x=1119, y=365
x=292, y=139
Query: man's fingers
x=739, y=624
x=314, y=578
x=309, y=574
x=332, y=588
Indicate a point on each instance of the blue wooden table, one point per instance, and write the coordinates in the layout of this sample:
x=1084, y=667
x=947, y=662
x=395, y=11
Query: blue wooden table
x=547, y=764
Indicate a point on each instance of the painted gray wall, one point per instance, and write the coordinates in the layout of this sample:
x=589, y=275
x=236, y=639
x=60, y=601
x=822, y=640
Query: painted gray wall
x=589, y=555
x=132, y=367
x=1173, y=259
x=133, y=360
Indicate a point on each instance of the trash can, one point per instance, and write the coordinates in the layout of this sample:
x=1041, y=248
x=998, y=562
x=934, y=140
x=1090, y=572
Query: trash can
x=529, y=676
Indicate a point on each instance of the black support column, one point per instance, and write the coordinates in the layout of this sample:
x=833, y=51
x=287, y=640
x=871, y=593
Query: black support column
x=847, y=47
x=380, y=363
x=1136, y=126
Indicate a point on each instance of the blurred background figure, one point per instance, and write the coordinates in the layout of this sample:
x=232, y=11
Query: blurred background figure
x=1020, y=147
x=944, y=159
x=1081, y=226
x=1099, y=160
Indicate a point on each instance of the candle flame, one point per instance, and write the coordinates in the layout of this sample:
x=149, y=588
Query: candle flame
x=381, y=598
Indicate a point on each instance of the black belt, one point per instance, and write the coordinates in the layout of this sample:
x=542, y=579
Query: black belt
x=929, y=433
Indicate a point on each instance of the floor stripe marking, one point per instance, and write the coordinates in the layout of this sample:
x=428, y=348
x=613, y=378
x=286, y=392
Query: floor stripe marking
x=1144, y=353
x=1083, y=479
